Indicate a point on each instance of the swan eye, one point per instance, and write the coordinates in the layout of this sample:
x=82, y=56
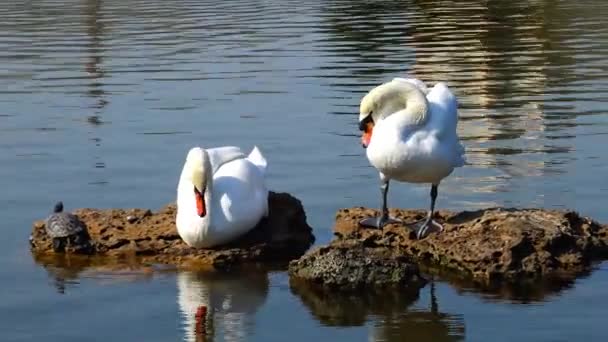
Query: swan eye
x=364, y=123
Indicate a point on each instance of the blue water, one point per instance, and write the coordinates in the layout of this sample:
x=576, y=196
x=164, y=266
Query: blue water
x=100, y=100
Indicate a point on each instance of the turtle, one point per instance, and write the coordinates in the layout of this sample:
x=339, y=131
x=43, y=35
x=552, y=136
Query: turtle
x=66, y=229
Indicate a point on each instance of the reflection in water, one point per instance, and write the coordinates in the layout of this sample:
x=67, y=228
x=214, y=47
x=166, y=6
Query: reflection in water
x=66, y=270
x=388, y=311
x=506, y=61
x=61, y=270
x=374, y=34
x=95, y=73
x=227, y=301
x=95, y=31
x=497, y=80
x=421, y=325
x=521, y=292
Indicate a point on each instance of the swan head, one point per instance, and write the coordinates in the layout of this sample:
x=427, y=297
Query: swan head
x=196, y=170
x=381, y=102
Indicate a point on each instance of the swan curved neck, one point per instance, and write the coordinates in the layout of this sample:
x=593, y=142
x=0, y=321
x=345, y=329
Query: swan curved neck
x=192, y=228
x=207, y=195
x=409, y=106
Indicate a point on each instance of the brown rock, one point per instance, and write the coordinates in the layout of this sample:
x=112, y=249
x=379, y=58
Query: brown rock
x=489, y=245
x=348, y=266
x=152, y=236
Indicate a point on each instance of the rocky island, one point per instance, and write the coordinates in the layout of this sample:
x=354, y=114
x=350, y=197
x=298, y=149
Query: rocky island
x=151, y=237
x=483, y=246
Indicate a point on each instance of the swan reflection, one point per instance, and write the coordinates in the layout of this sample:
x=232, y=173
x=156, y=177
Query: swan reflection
x=220, y=304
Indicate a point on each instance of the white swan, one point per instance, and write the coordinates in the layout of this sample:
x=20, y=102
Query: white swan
x=410, y=136
x=221, y=195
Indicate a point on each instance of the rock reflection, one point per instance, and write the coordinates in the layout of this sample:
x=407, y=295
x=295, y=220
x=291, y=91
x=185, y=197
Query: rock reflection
x=523, y=292
x=388, y=310
x=220, y=305
x=421, y=325
x=66, y=270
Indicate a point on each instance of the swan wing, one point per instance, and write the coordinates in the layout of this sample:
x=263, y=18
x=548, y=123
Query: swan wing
x=444, y=110
x=443, y=107
x=257, y=159
x=219, y=156
x=242, y=198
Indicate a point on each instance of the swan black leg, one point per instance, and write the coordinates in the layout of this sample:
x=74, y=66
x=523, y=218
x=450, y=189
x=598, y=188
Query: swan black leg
x=384, y=219
x=429, y=223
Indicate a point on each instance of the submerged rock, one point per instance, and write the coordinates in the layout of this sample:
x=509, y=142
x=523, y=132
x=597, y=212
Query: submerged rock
x=152, y=236
x=488, y=245
x=348, y=266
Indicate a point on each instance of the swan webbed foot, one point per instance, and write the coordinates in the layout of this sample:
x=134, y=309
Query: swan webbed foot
x=427, y=227
x=378, y=222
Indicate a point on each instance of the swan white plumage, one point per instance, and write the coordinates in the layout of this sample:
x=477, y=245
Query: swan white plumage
x=410, y=136
x=221, y=195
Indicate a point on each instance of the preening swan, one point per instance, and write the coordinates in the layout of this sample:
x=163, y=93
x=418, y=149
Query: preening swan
x=410, y=136
x=221, y=195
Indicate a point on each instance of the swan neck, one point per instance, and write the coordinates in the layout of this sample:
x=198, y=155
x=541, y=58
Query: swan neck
x=208, y=190
x=416, y=108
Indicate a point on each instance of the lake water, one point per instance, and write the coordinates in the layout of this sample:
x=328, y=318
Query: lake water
x=100, y=100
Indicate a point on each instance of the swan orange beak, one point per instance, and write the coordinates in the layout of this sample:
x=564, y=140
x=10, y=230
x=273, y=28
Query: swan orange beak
x=201, y=208
x=367, y=134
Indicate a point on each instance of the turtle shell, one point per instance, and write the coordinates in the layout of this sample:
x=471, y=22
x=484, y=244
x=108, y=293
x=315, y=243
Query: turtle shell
x=63, y=224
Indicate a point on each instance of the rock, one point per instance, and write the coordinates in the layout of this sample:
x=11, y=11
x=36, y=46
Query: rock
x=152, y=236
x=489, y=245
x=348, y=266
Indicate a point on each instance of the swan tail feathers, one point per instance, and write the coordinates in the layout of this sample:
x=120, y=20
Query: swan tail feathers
x=258, y=159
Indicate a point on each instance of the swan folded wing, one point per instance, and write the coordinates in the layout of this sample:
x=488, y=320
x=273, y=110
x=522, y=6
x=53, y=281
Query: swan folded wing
x=444, y=110
x=443, y=106
x=219, y=156
x=418, y=83
x=257, y=159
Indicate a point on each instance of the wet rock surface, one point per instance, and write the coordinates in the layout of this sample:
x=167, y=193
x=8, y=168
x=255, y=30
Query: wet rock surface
x=119, y=234
x=354, y=266
x=487, y=245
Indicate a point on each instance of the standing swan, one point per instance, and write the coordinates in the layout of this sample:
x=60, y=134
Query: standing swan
x=414, y=139
x=221, y=195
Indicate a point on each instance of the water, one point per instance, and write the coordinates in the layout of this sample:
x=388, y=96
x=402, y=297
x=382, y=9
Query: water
x=100, y=100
